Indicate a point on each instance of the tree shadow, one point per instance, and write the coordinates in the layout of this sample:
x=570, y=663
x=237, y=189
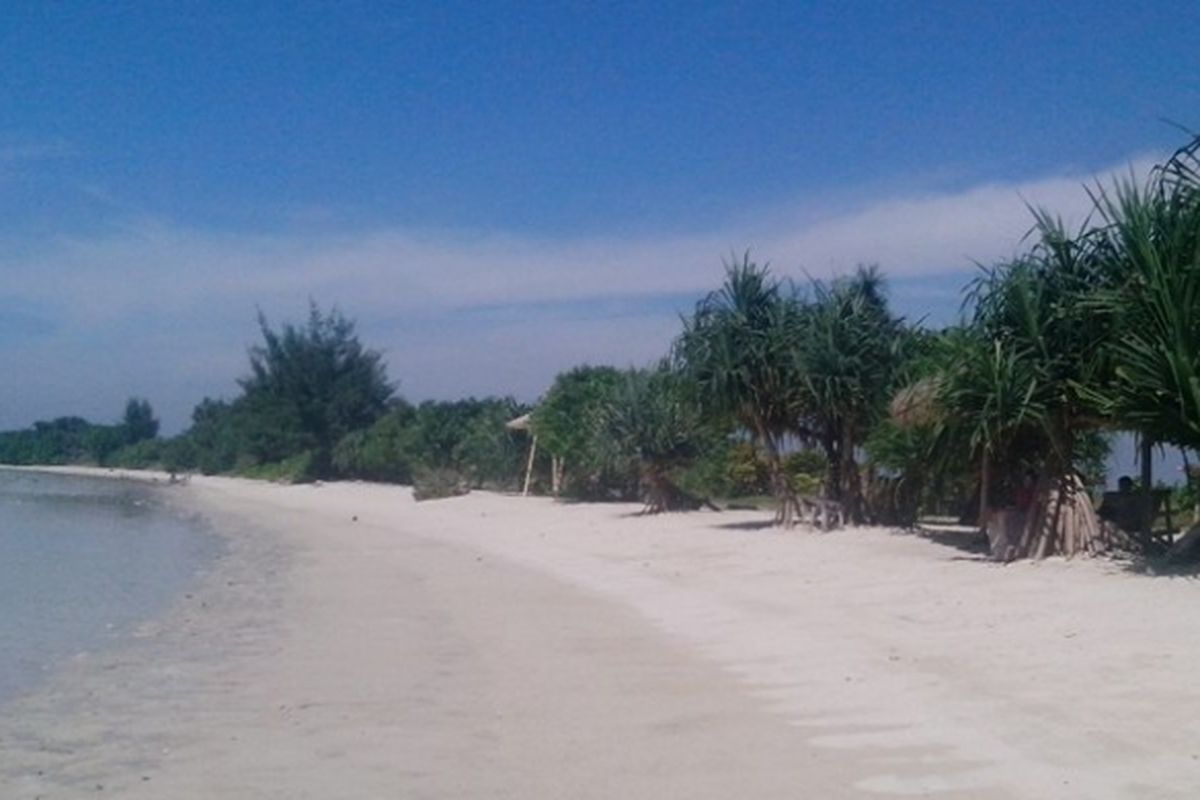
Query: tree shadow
x=746, y=525
x=1161, y=566
x=970, y=542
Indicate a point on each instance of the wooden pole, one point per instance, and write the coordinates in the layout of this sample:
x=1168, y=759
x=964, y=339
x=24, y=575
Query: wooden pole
x=984, y=492
x=529, y=467
x=1147, y=498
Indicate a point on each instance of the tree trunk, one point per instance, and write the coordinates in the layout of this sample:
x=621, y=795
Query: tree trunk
x=659, y=494
x=984, y=488
x=1060, y=522
x=789, y=507
x=851, y=494
x=1146, y=493
x=833, y=462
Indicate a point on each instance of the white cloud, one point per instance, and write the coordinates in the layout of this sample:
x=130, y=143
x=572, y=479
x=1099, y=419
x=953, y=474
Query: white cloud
x=203, y=286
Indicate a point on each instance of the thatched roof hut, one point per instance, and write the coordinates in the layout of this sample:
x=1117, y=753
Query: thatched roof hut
x=520, y=423
x=917, y=404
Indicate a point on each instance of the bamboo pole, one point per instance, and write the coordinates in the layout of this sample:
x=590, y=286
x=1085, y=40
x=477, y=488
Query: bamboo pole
x=1147, y=498
x=529, y=467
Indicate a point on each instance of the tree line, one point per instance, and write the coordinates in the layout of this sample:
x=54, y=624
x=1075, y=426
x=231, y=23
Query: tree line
x=1004, y=419
x=793, y=390
x=70, y=440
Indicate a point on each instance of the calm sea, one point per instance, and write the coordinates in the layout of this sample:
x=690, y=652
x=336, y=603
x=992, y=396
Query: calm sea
x=82, y=561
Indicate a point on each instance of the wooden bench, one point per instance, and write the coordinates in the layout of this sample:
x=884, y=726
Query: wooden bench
x=1128, y=511
x=820, y=512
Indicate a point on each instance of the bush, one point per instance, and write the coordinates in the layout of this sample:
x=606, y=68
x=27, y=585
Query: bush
x=432, y=484
x=746, y=471
x=805, y=471
x=300, y=468
x=142, y=455
x=382, y=452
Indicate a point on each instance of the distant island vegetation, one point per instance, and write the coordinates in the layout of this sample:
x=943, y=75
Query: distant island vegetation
x=772, y=388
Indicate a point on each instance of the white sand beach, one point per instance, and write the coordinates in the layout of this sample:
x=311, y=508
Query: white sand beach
x=352, y=643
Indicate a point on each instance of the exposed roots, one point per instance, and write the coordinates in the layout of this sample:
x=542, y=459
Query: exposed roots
x=1061, y=522
x=660, y=494
x=818, y=512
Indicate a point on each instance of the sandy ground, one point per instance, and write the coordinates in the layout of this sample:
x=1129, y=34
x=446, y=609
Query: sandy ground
x=355, y=644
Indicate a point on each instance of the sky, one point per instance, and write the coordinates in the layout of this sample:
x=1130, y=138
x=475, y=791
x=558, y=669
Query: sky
x=497, y=192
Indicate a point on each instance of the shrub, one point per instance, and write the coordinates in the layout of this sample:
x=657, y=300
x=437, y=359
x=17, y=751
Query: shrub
x=300, y=468
x=432, y=484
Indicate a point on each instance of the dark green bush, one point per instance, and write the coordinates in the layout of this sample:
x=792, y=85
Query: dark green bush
x=432, y=484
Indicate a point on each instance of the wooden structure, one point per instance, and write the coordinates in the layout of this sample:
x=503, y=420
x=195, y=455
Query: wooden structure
x=1136, y=512
x=820, y=512
x=522, y=423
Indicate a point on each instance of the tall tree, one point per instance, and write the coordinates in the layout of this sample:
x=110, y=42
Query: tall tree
x=850, y=348
x=569, y=423
x=655, y=424
x=739, y=349
x=309, y=386
x=1152, y=257
x=1034, y=315
x=139, y=422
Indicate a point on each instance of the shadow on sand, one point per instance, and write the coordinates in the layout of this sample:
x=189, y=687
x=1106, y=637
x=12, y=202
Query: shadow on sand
x=1162, y=567
x=963, y=539
x=746, y=525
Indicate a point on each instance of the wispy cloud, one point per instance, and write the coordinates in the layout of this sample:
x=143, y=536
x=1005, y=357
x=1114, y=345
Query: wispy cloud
x=16, y=152
x=520, y=290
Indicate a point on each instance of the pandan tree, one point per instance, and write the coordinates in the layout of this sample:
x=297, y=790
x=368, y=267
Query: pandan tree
x=990, y=393
x=849, y=348
x=569, y=423
x=738, y=349
x=1151, y=253
x=1033, y=313
x=655, y=424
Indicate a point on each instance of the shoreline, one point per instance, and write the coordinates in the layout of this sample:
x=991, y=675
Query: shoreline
x=864, y=662
x=71, y=597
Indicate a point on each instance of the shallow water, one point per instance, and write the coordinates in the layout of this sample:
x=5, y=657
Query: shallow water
x=82, y=561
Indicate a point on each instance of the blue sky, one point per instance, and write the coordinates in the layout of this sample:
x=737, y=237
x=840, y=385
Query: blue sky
x=499, y=191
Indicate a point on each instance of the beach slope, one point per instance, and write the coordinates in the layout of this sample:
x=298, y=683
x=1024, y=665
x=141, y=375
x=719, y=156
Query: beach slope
x=353, y=643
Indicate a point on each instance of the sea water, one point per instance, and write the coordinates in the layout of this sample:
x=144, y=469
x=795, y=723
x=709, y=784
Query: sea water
x=82, y=561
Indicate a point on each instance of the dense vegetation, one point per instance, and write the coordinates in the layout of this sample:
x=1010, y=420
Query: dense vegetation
x=810, y=392
x=69, y=440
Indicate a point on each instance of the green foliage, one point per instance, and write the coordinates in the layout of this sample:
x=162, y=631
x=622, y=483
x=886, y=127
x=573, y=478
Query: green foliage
x=74, y=440
x=59, y=441
x=570, y=423
x=745, y=471
x=144, y=454
x=139, y=422
x=653, y=419
x=1092, y=451
x=654, y=428
x=102, y=441
x=299, y=468
x=991, y=390
x=905, y=462
x=467, y=437
x=1151, y=255
x=850, y=349
x=382, y=452
x=309, y=387
x=439, y=482
x=211, y=445
x=806, y=470
x=739, y=349
x=785, y=365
